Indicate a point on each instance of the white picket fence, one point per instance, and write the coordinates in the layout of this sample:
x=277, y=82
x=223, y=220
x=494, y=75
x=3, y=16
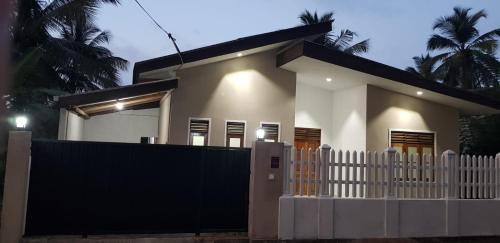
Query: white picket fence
x=326, y=172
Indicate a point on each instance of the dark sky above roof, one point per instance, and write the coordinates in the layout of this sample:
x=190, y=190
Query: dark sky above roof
x=398, y=29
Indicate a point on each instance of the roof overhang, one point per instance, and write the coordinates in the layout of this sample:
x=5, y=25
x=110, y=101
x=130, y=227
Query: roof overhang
x=135, y=96
x=306, y=56
x=226, y=50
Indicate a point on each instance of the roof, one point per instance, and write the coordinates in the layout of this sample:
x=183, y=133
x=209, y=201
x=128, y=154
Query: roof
x=135, y=96
x=234, y=46
x=325, y=54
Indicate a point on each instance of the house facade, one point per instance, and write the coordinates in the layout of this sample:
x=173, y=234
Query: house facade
x=299, y=92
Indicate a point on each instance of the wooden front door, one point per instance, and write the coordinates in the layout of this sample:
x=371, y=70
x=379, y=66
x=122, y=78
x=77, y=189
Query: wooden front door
x=306, y=138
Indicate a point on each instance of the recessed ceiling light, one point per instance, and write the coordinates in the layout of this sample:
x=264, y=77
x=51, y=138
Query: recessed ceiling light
x=328, y=79
x=119, y=105
x=420, y=93
x=240, y=54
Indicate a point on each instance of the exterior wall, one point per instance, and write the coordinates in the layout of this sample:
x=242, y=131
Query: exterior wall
x=389, y=110
x=125, y=126
x=248, y=88
x=335, y=218
x=164, y=120
x=70, y=126
x=349, y=118
x=313, y=109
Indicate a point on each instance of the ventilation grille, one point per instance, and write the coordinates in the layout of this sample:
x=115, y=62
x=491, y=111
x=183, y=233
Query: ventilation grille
x=412, y=138
x=272, y=131
x=199, y=126
x=235, y=128
x=307, y=134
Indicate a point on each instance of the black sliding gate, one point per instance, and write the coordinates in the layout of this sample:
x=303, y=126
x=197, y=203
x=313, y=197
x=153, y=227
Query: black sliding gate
x=80, y=188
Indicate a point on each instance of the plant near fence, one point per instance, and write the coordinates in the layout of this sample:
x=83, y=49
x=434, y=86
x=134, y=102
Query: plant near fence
x=345, y=174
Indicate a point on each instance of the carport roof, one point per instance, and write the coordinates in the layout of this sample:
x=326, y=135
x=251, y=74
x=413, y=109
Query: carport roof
x=135, y=96
x=391, y=78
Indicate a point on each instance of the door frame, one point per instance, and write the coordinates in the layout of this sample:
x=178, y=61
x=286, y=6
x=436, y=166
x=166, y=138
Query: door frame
x=412, y=130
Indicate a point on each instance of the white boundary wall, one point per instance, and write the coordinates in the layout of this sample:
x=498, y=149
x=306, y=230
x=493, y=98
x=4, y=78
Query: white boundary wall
x=350, y=218
x=394, y=197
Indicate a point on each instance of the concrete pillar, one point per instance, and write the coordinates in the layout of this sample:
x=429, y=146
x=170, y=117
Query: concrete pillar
x=15, y=187
x=266, y=187
x=164, y=119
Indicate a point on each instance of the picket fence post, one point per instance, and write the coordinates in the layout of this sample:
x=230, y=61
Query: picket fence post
x=287, y=150
x=325, y=161
x=390, y=155
x=451, y=171
x=497, y=176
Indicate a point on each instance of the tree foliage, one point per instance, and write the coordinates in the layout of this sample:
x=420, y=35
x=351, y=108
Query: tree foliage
x=57, y=49
x=341, y=41
x=467, y=59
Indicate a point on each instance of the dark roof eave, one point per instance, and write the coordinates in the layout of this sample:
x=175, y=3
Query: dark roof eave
x=233, y=46
x=116, y=93
x=322, y=53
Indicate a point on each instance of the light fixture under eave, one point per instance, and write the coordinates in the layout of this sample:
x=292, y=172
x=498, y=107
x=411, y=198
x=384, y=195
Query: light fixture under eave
x=420, y=93
x=328, y=80
x=119, y=106
x=239, y=54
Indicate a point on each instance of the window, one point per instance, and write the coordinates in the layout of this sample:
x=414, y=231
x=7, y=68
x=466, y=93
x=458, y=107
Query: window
x=199, y=131
x=417, y=144
x=408, y=142
x=272, y=130
x=235, y=134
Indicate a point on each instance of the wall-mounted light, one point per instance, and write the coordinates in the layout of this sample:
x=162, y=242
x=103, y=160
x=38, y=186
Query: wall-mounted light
x=328, y=80
x=119, y=106
x=239, y=54
x=21, y=121
x=420, y=93
x=261, y=133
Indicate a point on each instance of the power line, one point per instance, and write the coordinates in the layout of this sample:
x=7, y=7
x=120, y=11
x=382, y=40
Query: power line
x=165, y=31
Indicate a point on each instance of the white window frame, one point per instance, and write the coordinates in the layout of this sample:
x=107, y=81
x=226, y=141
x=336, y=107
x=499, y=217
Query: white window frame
x=273, y=123
x=244, y=132
x=203, y=119
x=412, y=130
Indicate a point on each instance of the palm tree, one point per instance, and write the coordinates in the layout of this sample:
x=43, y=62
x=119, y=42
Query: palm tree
x=469, y=59
x=341, y=42
x=85, y=63
x=57, y=49
x=425, y=67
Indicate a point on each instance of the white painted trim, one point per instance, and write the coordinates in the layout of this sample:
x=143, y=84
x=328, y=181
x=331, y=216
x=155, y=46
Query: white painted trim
x=412, y=130
x=200, y=118
x=273, y=123
x=244, y=131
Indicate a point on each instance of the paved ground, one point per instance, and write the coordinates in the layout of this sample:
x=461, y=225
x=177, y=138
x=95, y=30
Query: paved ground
x=232, y=238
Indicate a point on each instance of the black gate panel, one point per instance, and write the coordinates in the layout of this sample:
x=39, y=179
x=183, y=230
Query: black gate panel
x=112, y=188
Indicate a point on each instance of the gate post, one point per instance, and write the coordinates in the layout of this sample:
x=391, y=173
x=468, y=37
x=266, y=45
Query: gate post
x=266, y=178
x=15, y=187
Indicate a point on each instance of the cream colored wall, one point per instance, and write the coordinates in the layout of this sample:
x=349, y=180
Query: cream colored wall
x=389, y=110
x=247, y=88
x=349, y=118
x=125, y=126
x=313, y=109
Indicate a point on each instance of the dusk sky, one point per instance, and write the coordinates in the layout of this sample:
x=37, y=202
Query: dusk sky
x=398, y=29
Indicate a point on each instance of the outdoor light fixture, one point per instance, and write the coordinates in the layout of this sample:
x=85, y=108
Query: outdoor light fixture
x=119, y=106
x=240, y=54
x=420, y=93
x=328, y=80
x=21, y=121
x=261, y=133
